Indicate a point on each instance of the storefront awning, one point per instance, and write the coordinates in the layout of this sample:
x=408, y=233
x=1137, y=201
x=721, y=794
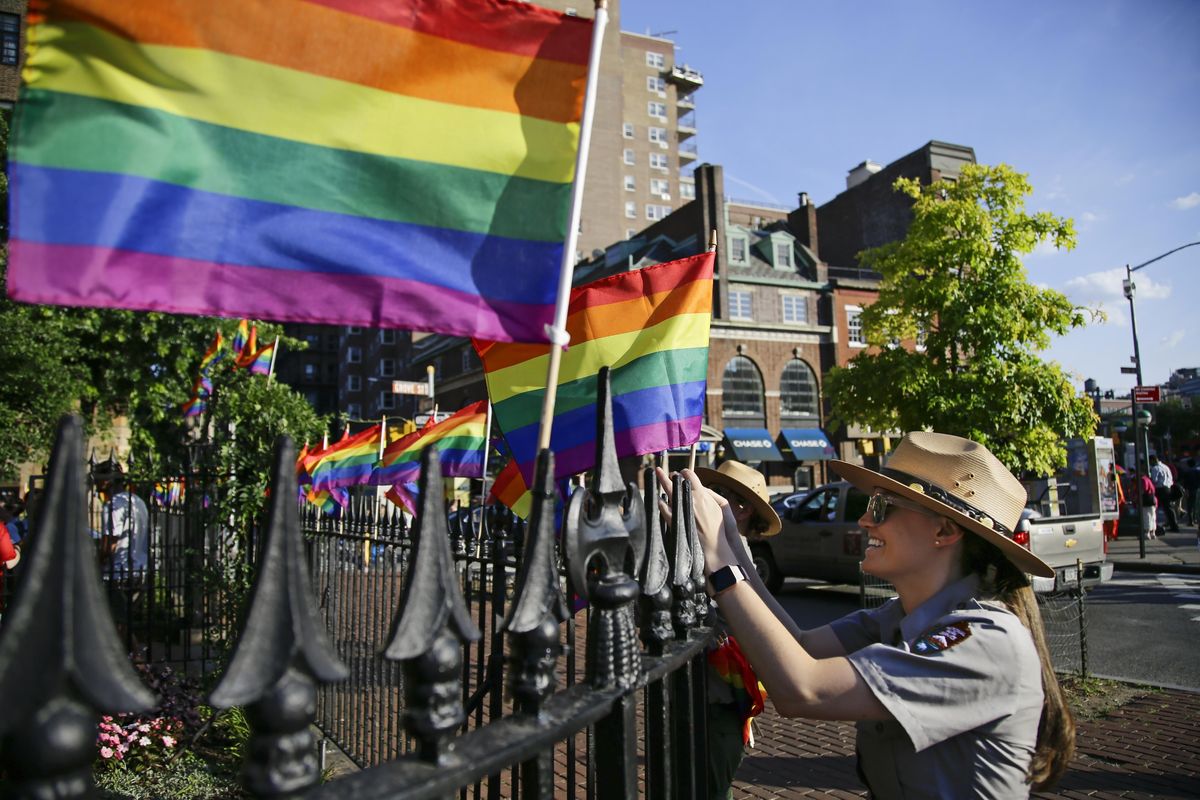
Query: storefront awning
x=806, y=444
x=751, y=444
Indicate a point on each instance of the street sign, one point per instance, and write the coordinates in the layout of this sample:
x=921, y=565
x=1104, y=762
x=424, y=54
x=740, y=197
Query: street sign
x=1129, y=370
x=410, y=387
x=1147, y=394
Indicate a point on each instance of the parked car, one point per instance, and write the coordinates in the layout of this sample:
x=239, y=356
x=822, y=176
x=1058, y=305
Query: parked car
x=820, y=539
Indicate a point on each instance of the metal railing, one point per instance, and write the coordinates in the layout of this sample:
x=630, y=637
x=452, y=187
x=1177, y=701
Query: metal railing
x=449, y=640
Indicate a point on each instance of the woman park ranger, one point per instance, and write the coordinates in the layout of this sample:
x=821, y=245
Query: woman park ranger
x=950, y=682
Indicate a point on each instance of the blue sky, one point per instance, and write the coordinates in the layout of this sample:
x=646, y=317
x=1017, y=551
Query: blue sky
x=1098, y=101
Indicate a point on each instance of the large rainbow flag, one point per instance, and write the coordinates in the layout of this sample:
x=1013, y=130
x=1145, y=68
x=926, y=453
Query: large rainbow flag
x=349, y=462
x=352, y=162
x=651, y=327
x=459, y=440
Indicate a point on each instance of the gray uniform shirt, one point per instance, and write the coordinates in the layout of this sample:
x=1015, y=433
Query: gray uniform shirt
x=962, y=678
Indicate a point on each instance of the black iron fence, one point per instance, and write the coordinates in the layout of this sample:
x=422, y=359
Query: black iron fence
x=430, y=652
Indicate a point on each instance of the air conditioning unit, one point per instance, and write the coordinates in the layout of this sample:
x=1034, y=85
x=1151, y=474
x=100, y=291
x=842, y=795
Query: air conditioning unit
x=662, y=94
x=664, y=196
x=663, y=144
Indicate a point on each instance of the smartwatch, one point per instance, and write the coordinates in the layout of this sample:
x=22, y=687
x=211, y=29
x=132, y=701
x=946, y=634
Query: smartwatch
x=724, y=578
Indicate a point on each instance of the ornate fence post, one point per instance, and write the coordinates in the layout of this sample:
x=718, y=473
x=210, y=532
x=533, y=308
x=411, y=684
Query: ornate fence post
x=431, y=625
x=605, y=538
x=534, y=625
x=282, y=651
x=656, y=632
x=61, y=661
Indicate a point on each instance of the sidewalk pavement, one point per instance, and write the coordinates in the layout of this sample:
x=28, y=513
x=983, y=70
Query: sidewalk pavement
x=1149, y=747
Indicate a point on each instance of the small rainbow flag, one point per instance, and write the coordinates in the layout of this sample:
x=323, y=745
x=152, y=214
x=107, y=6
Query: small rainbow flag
x=194, y=407
x=214, y=353
x=244, y=356
x=240, y=336
x=261, y=363
x=350, y=462
x=732, y=667
x=328, y=500
x=402, y=164
x=651, y=327
x=511, y=490
x=459, y=440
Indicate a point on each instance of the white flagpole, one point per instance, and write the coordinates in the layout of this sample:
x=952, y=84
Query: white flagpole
x=274, y=353
x=487, y=440
x=557, y=331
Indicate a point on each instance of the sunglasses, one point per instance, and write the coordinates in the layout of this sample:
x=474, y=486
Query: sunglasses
x=879, y=504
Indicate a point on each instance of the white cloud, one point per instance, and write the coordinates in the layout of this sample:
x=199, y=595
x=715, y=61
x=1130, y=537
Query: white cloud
x=1044, y=248
x=1175, y=338
x=1125, y=179
x=1096, y=287
x=1087, y=218
x=1187, y=201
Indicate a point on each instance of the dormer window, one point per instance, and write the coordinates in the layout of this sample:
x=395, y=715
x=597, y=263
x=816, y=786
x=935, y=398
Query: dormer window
x=783, y=255
x=738, y=247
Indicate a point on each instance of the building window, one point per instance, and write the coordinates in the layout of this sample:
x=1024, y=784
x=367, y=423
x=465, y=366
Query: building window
x=795, y=308
x=656, y=109
x=922, y=335
x=387, y=400
x=387, y=336
x=468, y=359
x=387, y=367
x=656, y=60
x=687, y=190
x=783, y=255
x=627, y=130
x=354, y=410
x=658, y=161
x=10, y=39
x=658, y=135
x=630, y=183
x=797, y=390
x=629, y=157
x=739, y=305
x=742, y=389
x=630, y=232
x=654, y=211
x=631, y=209
x=354, y=383
x=854, y=327
x=656, y=84
x=738, y=247
x=353, y=330
x=310, y=372
x=660, y=186
x=354, y=355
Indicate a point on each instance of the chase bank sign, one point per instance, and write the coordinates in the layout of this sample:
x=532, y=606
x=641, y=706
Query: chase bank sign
x=749, y=443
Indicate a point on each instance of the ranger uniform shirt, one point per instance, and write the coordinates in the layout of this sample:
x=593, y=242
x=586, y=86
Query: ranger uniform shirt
x=962, y=679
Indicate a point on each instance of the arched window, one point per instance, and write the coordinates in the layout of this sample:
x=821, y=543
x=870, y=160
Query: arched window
x=797, y=390
x=742, y=392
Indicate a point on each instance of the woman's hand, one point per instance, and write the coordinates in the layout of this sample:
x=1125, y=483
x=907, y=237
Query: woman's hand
x=708, y=507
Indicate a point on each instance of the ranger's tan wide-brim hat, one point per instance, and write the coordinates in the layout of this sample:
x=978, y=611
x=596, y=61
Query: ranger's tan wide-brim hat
x=957, y=479
x=748, y=484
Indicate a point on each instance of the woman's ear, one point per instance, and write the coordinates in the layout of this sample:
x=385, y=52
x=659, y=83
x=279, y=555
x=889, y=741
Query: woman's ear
x=949, y=533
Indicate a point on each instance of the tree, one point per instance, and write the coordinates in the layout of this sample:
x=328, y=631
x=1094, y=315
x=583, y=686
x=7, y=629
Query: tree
x=956, y=286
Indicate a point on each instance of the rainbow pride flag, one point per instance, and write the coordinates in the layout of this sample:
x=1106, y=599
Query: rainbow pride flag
x=351, y=162
x=214, y=353
x=244, y=355
x=459, y=440
x=511, y=490
x=651, y=327
x=350, y=462
x=239, y=338
x=261, y=363
x=195, y=407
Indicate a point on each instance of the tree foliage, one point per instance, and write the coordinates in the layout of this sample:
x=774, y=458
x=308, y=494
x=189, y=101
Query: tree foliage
x=957, y=285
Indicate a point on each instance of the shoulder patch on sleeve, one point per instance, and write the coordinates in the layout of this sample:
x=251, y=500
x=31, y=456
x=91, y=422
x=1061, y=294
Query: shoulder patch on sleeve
x=942, y=638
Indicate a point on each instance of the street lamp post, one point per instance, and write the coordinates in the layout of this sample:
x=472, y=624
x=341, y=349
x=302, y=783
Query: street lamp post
x=1140, y=451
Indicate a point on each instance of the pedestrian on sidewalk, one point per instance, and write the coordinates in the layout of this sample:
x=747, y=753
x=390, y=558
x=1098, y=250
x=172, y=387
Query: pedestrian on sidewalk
x=1189, y=478
x=1149, y=504
x=1163, y=481
x=950, y=682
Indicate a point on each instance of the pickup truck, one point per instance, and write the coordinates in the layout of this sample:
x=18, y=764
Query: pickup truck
x=1066, y=523
x=1069, y=518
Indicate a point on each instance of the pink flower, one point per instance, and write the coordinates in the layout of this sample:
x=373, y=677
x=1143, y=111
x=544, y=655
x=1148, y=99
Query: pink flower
x=106, y=719
x=169, y=741
x=106, y=752
x=144, y=728
x=144, y=741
